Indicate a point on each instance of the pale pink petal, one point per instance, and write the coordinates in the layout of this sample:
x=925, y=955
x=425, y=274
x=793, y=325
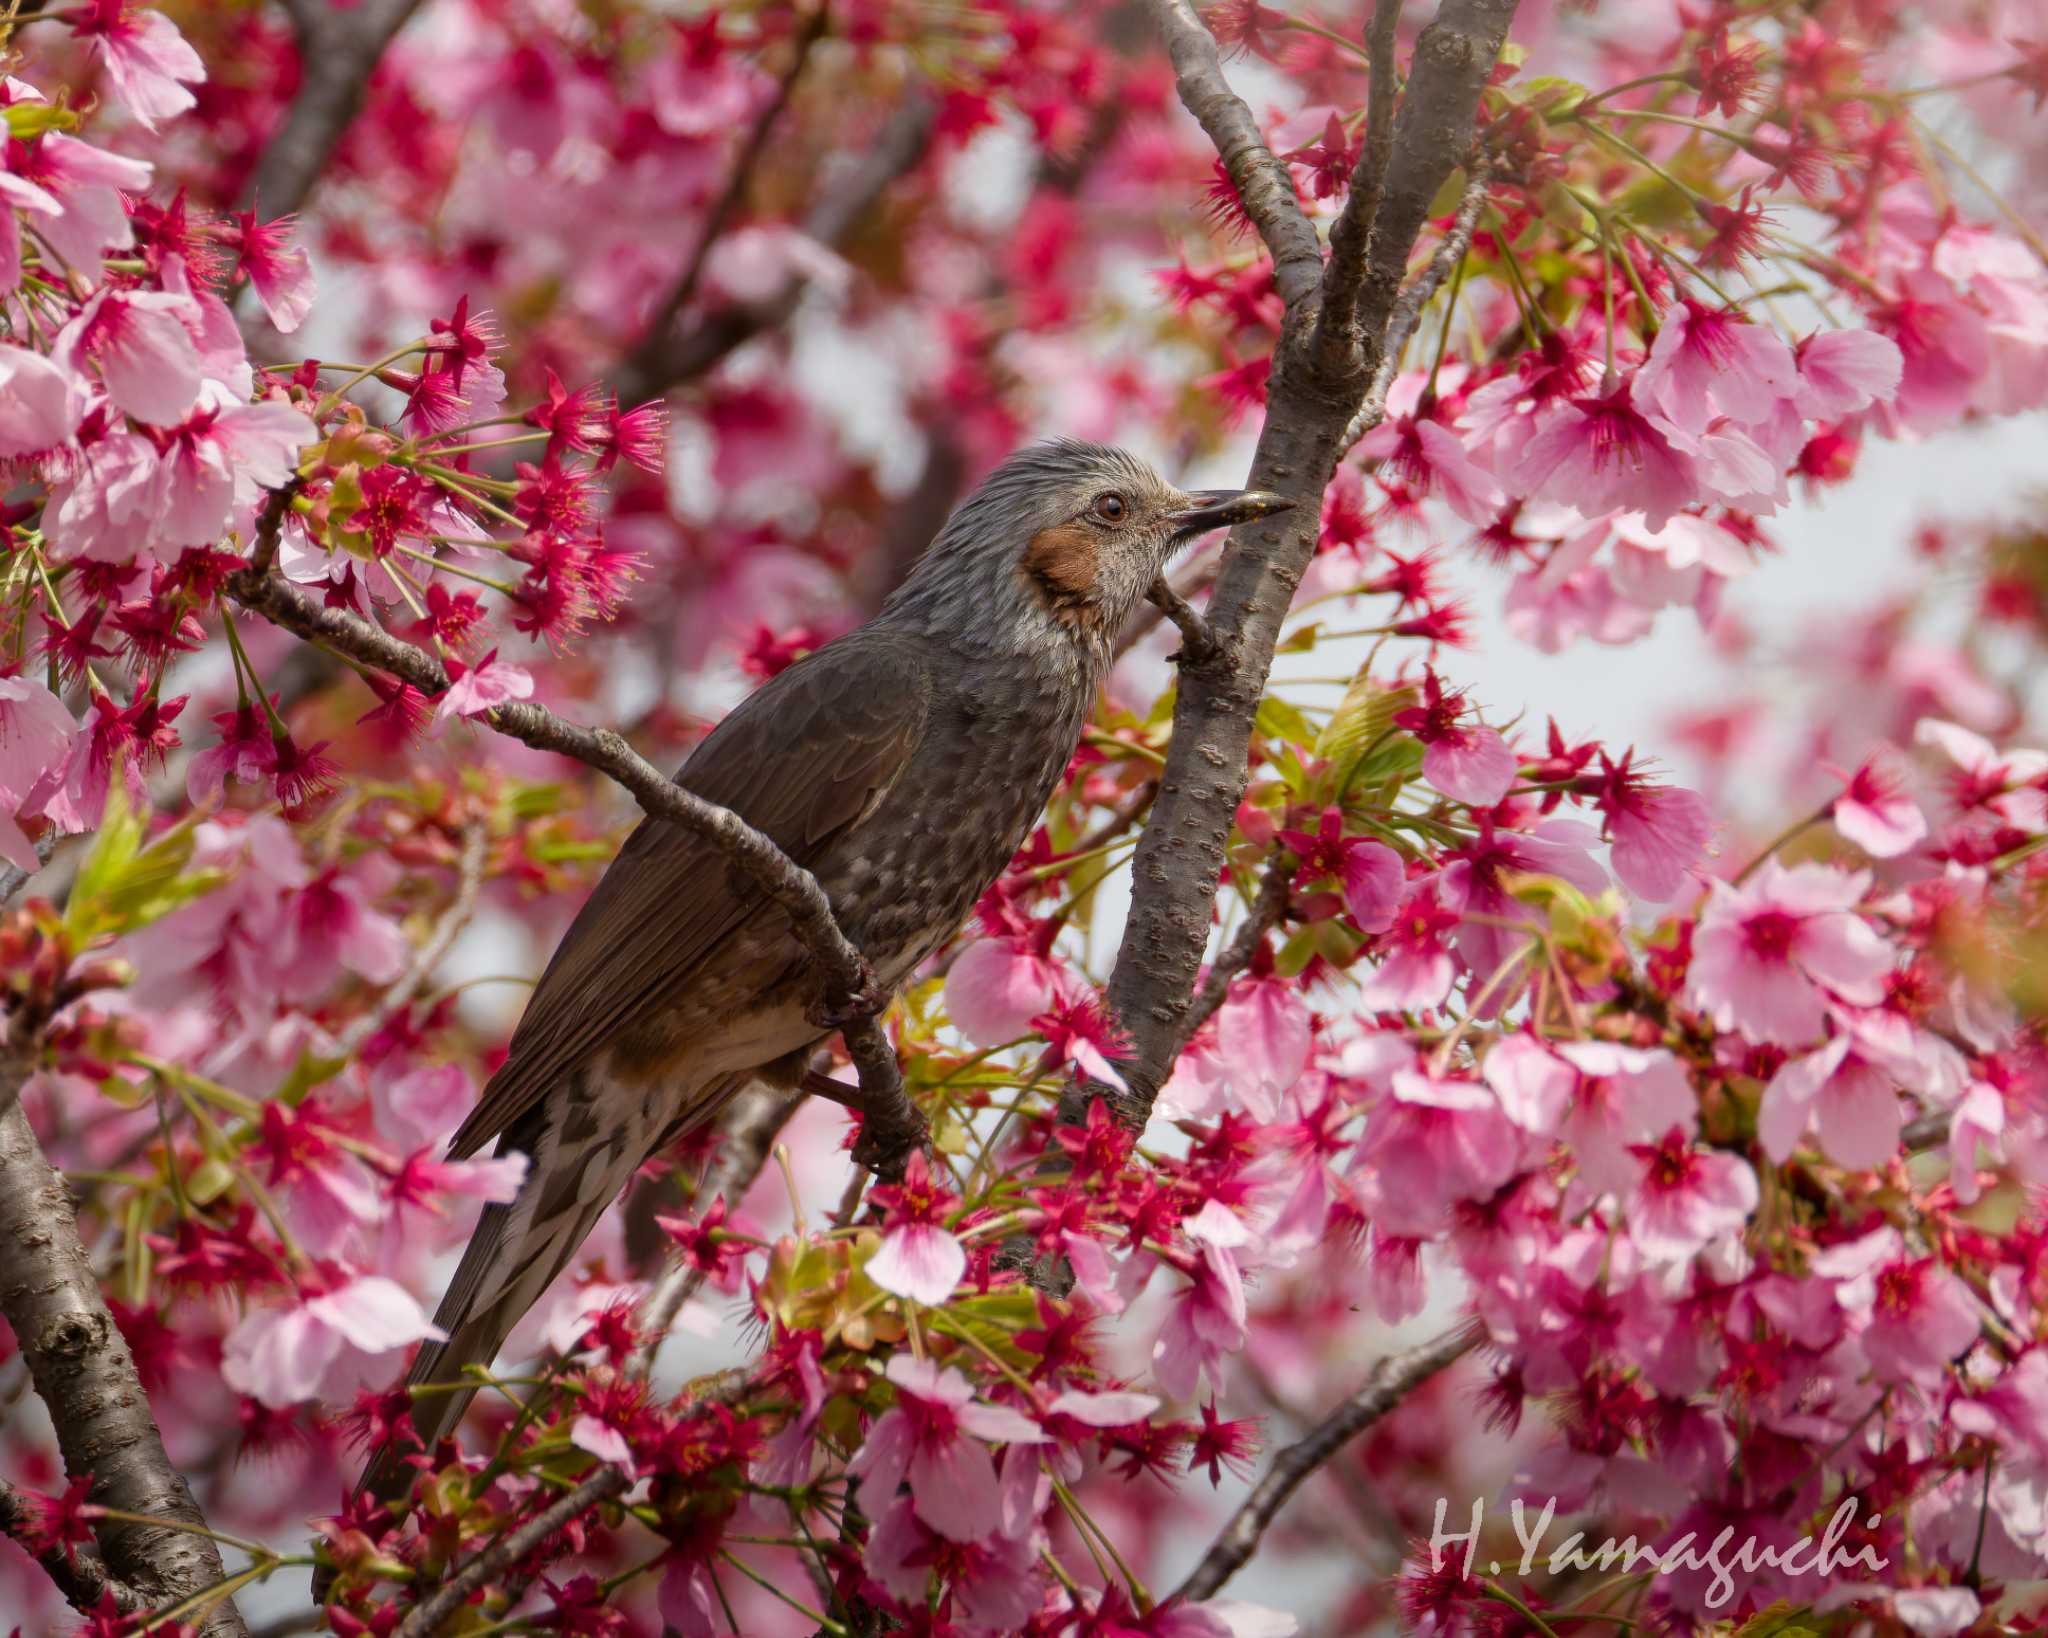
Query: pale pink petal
x=1470, y=765
x=920, y=1261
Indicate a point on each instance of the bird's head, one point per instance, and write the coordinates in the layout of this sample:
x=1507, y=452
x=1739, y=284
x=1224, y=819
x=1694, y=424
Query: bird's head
x=1069, y=536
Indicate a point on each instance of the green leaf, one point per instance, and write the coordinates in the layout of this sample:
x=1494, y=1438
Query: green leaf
x=1278, y=720
x=1550, y=95
x=1363, y=714
x=307, y=1073
x=123, y=885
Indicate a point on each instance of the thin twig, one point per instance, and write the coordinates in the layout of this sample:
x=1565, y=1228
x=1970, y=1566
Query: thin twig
x=751, y=150
x=664, y=359
x=469, y=877
x=77, y=1573
x=1337, y=334
x=1390, y=1382
x=1416, y=296
x=1266, y=911
x=1262, y=182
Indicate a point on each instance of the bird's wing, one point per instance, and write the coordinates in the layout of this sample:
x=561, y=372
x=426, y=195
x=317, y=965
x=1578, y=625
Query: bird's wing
x=804, y=758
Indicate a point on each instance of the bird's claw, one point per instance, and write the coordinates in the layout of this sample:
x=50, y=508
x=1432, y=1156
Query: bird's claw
x=832, y=1011
x=889, y=1138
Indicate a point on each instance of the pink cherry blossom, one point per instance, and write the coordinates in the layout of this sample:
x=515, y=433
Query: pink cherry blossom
x=221, y=455
x=35, y=732
x=1915, y=1316
x=1708, y=361
x=993, y=1578
x=1765, y=956
x=1430, y=1144
x=476, y=689
x=933, y=1438
x=1207, y=1320
x=1850, y=1099
x=278, y=269
x=1467, y=762
x=1843, y=371
x=1687, y=1198
x=996, y=986
x=41, y=403
x=1601, y=1099
x=138, y=341
x=1416, y=968
x=1262, y=1038
x=918, y=1257
x=147, y=59
x=1606, y=453
x=1660, y=832
x=2004, y=783
x=1370, y=873
x=325, y=1344
x=1876, y=814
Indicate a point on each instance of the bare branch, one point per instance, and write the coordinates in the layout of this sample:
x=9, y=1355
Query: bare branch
x=1420, y=291
x=469, y=869
x=13, y=878
x=1337, y=335
x=1267, y=909
x=1198, y=644
x=852, y=997
x=1390, y=1382
x=750, y=1127
x=339, y=48
x=85, y=1375
x=79, y=1575
x=664, y=359
x=1262, y=182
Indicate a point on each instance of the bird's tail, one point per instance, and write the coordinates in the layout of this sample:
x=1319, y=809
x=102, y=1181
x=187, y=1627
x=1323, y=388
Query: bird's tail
x=584, y=1147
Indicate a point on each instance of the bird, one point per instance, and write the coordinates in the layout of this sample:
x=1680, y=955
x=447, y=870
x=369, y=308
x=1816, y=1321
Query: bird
x=902, y=764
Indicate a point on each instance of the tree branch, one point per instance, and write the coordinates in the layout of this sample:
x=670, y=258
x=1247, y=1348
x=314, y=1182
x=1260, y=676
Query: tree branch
x=735, y=191
x=339, y=48
x=81, y=1576
x=1262, y=182
x=852, y=1001
x=1267, y=909
x=1337, y=333
x=1390, y=1382
x=85, y=1375
x=1180, y=858
x=664, y=359
x=1432, y=136
x=1418, y=294
x=751, y=1126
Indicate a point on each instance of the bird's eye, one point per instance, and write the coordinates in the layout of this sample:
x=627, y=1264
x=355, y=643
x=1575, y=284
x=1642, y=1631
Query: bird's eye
x=1110, y=508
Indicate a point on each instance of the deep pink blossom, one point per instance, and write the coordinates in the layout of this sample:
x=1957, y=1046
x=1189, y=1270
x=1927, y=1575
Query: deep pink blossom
x=1709, y=361
x=1467, y=762
x=933, y=1437
x=1766, y=956
x=1875, y=812
x=1687, y=1198
x=475, y=689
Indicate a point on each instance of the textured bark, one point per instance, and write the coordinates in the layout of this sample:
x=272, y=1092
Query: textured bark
x=85, y=1375
x=1311, y=404
x=339, y=47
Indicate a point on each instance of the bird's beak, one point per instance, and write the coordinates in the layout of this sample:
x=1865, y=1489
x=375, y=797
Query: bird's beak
x=1221, y=508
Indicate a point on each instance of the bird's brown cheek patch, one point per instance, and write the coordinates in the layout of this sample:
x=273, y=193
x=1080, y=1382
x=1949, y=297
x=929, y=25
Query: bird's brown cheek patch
x=1063, y=562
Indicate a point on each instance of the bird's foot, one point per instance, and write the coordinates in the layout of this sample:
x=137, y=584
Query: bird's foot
x=834, y=1011
x=891, y=1127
